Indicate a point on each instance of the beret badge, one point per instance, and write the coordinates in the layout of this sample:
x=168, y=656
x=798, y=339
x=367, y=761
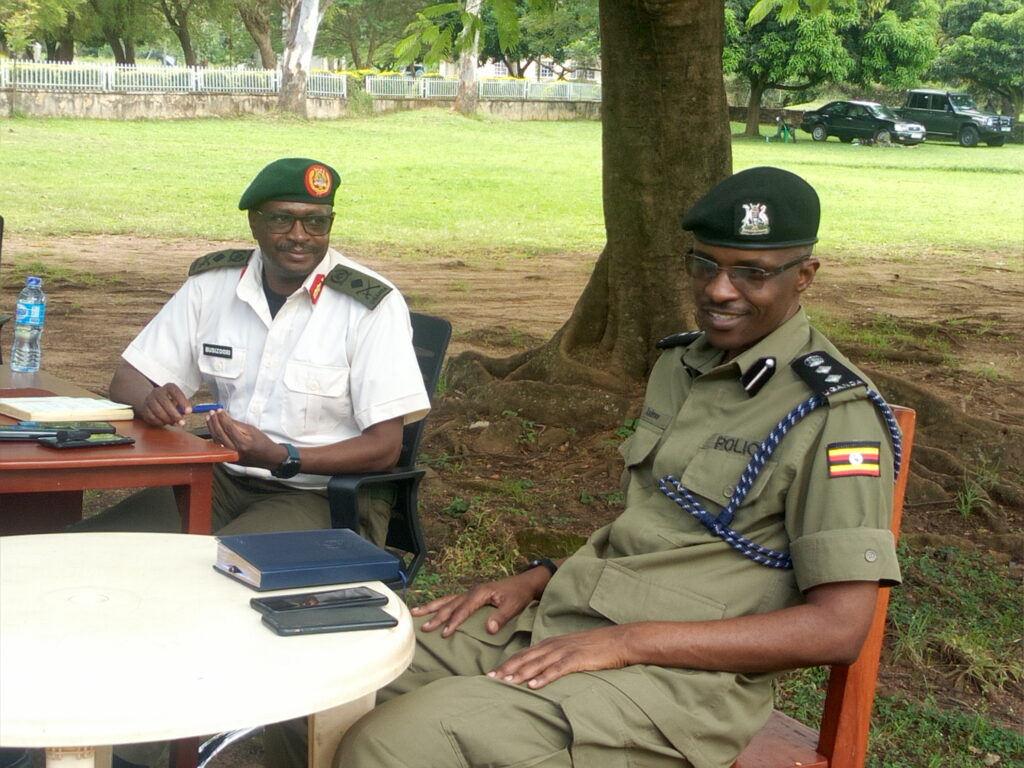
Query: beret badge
x=755, y=220
x=318, y=180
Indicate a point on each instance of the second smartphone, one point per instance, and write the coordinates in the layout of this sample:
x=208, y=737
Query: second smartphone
x=334, y=598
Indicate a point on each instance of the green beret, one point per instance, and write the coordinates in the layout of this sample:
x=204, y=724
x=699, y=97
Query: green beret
x=295, y=179
x=758, y=208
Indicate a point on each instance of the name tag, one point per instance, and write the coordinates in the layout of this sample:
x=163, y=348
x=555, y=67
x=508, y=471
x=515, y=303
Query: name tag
x=216, y=350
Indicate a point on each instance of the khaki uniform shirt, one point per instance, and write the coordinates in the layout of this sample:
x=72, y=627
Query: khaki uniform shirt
x=657, y=563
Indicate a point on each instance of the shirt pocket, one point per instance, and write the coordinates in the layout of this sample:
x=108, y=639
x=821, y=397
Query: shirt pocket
x=223, y=375
x=714, y=475
x=316, y=398
x=638, y=448
x=625, y=596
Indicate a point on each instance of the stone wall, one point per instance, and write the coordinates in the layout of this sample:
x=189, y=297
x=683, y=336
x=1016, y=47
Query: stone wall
x=178, y=106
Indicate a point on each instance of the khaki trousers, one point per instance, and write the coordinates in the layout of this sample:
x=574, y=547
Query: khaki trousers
x=444, y=712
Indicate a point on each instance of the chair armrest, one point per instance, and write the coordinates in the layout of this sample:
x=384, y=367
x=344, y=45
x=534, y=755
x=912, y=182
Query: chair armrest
x=343, y=492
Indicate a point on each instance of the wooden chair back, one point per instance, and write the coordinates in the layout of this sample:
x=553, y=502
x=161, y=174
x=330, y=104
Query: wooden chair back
x=842, y=738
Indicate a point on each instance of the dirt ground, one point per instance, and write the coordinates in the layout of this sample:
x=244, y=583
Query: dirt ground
x=956, y=323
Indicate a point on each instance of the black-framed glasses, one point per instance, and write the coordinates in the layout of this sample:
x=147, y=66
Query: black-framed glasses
x=278, y=223
x=704, y=270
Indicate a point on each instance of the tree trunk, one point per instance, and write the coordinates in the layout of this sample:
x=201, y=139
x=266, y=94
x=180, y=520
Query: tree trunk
x=303, y=20
x=467, y=96
x=177, y=18
x=754, y=109
x=257, y=24
x=665, y=142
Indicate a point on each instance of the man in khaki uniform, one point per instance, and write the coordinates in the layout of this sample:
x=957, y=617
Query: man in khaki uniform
x=656, y=643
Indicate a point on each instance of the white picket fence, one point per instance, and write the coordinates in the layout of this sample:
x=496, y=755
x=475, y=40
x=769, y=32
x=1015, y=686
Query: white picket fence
x=399, y=87
x=114, y=78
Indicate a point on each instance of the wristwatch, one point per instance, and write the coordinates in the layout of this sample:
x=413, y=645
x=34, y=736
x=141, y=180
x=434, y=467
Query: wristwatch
x=290, y=466
x=547, y=562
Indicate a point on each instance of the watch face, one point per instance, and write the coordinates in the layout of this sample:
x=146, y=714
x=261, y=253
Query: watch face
x=290, y=466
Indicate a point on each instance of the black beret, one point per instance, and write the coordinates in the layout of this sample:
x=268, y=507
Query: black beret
x=757, y=208
x=295, y=179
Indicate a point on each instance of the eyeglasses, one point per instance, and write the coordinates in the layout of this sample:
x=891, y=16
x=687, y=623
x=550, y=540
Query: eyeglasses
x=282, y=223
x=704, y=270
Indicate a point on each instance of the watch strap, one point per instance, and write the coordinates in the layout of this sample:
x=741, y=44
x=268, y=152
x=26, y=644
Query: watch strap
x=546, y=562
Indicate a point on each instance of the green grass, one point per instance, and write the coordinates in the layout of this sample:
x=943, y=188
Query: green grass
x=431, y=180
x=955, y=623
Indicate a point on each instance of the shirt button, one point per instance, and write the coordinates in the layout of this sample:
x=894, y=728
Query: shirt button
x=314, y=387
x=727, y=491
x=218, y=366
x=870, y=555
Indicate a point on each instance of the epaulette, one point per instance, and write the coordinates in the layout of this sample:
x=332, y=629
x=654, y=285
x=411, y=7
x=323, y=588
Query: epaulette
x=684, y=339
x=232, y=257
x=360, y=286
x=825, y=375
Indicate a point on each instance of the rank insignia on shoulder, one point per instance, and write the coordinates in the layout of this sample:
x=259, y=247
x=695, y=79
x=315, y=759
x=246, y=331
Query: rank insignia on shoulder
x=232, y=257
x=853, y=459
x=361, y=287
x=684, y=339
x=825, y=375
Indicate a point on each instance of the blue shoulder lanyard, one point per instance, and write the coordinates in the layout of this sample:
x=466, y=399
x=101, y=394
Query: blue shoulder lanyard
x=720, y=525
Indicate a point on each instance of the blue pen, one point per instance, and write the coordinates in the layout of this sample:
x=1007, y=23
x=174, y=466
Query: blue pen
x=206, y=407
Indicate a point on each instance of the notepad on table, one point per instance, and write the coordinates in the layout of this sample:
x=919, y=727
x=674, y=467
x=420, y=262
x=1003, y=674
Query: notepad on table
x=59, y=408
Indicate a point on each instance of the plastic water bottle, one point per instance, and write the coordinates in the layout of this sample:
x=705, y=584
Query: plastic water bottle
x=28, y=327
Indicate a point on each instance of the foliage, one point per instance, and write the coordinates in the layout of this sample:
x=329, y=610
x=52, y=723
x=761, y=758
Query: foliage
x=985, y=48
x=792, y=55
x=566, y=32
x=365, y=31
x=443, y=29
x=896, y=46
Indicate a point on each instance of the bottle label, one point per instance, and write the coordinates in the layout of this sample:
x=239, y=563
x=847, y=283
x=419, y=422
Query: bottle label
x=30, y=314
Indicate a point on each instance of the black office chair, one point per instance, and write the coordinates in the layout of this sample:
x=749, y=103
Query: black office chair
x=430, y=336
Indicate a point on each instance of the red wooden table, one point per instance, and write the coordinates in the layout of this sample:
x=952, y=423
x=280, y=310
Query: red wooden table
x=41, y=488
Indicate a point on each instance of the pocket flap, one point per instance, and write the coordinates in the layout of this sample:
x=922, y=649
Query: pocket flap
x=310, y=379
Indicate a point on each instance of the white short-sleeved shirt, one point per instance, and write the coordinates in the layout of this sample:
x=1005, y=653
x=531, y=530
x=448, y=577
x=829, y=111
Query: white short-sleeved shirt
x=324, y=369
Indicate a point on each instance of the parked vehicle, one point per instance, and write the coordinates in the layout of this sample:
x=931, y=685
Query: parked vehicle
x=864, y=120
x=955, y=117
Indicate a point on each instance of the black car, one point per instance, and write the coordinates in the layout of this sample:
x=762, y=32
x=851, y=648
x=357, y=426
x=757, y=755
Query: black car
x=851, y=120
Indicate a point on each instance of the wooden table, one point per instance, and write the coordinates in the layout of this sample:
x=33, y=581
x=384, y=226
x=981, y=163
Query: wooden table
x=41, y=488
x=116, y=638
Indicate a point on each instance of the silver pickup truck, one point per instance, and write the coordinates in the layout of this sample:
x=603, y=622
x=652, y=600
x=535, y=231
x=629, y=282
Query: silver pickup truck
x=955, y=116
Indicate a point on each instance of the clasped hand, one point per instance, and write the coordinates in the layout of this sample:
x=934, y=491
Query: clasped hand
x=165, y=405
x=548, y=660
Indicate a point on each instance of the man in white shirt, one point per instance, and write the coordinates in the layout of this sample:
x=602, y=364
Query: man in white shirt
x=309, y=353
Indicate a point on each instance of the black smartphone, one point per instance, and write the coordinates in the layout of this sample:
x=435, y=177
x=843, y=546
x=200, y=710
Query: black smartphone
x=32, y=430
x=70, y=439
x=334, y=598
x=329, y=620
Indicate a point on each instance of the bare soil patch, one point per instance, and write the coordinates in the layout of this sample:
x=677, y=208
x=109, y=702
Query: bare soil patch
x=955, y=326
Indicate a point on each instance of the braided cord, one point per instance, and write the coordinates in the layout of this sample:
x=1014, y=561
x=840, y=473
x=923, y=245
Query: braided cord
x=720, y=525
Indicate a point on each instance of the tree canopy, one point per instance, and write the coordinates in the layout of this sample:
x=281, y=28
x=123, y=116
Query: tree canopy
x=985, y=48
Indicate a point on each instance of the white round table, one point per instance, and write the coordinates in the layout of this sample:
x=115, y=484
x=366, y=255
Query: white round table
x=111, y=638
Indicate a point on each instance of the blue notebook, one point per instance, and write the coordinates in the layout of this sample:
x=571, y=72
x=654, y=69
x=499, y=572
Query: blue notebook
x=288, y=559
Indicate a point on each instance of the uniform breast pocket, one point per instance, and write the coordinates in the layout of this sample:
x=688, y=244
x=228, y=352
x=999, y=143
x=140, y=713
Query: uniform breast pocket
x=223, y=375
x=317, y=398
x=713, y=476
x=639, y=447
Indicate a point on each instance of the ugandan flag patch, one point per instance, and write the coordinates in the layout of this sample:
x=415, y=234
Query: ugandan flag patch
x=853, y=459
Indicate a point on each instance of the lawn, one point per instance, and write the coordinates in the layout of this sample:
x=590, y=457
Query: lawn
x=429, y=179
